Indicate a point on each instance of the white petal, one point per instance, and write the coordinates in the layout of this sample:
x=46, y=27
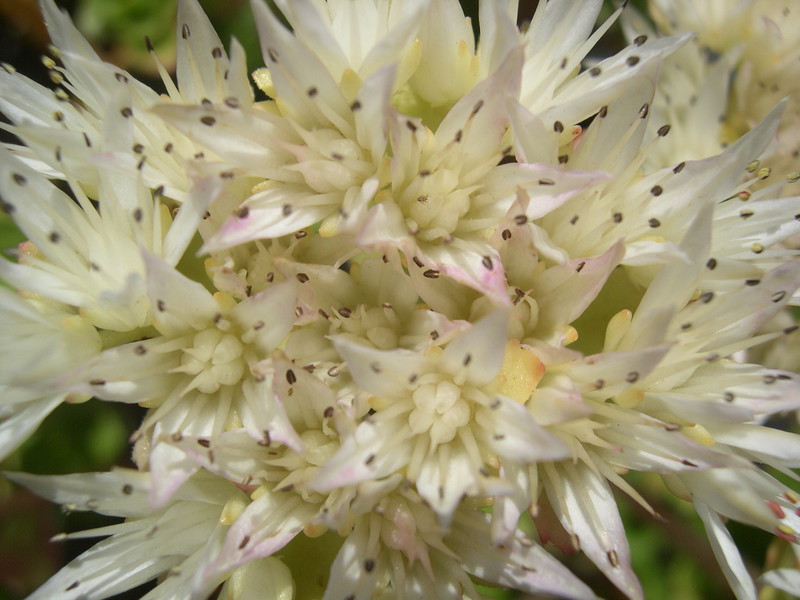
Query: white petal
x=265, y=526
x=120, y=492
x=728, y=556
x=762, y=441
x=521, y=563
x=178, y=303
x=385, y=373
x=478, y=352
x=277, y=304
x=586, y=508
x=515, y=436
x=787, y=580
x=21, y=421
x=295, y=70
x=170, y=468
x=374, y=450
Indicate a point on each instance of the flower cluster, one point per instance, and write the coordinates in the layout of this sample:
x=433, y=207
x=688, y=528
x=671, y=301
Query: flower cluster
x=448, y=293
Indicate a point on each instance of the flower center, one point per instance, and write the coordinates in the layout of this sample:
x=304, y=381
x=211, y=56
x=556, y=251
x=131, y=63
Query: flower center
x=434, y=204
x=215, y=359
x=440, y=409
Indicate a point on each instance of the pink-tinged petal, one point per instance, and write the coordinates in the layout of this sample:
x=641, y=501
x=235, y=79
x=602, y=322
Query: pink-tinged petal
x=587, y=509
x=274, y=219
x=265, y=526
x=736, y=494
x=264, y=416
x=544, y=187
x=372, y=451
x=178, y=303
x=268, y=314
x=477, y=354
x=515, y=436
x=170, y=468
x=559, y=401
x=520, y=563
x=21, y=420
x=728, y=556
x=384, y=228
x=533, y=142
x=385, y=373
x=233, y=455
x=472, y=263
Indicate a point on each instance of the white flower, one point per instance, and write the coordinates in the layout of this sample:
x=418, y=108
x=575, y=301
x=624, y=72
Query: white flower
x=200, y=374
x=454, y=292
x=171, y=542
x=40, y=344
x=112, y=113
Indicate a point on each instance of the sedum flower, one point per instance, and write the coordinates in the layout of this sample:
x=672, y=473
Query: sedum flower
x=171, y=542
x=40, y=342
x=451, y=294
x=743, y=64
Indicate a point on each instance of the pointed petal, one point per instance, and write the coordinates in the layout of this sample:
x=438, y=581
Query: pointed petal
x=515, y=436
x=295, y=70
x=178, y=303
x=587, y=509
x=786, y=580
x=276, y=302
x=478, y=353
x=520, y=563
x=385, y=373
x=120, y=492
x=170, y=468
x=18, y=423
x=476, y=265
x=265, y=526
x=728, y=556
x=374, y=450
